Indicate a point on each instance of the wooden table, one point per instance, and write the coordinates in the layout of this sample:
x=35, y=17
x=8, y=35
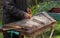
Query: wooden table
x=30, y=32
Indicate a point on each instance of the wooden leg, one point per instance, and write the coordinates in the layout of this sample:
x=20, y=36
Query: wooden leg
x=33, y=36
x=52, y=31
x=30, y=37
x=27, y=37
x=43, y=35
x=21, y=36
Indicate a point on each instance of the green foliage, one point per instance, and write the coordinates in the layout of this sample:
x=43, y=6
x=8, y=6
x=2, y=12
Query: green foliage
x=44, y=6
x=33, y=10
x=1, y=35
x=58, y=36
x=57, y=27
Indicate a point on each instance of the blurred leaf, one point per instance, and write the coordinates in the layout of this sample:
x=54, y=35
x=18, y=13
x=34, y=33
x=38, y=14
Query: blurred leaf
x=57, y=36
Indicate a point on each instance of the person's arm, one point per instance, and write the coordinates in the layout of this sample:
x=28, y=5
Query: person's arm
x=10, y=6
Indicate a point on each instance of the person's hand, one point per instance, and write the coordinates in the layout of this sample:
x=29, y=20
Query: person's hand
x=28, y=10
x=27, y=16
